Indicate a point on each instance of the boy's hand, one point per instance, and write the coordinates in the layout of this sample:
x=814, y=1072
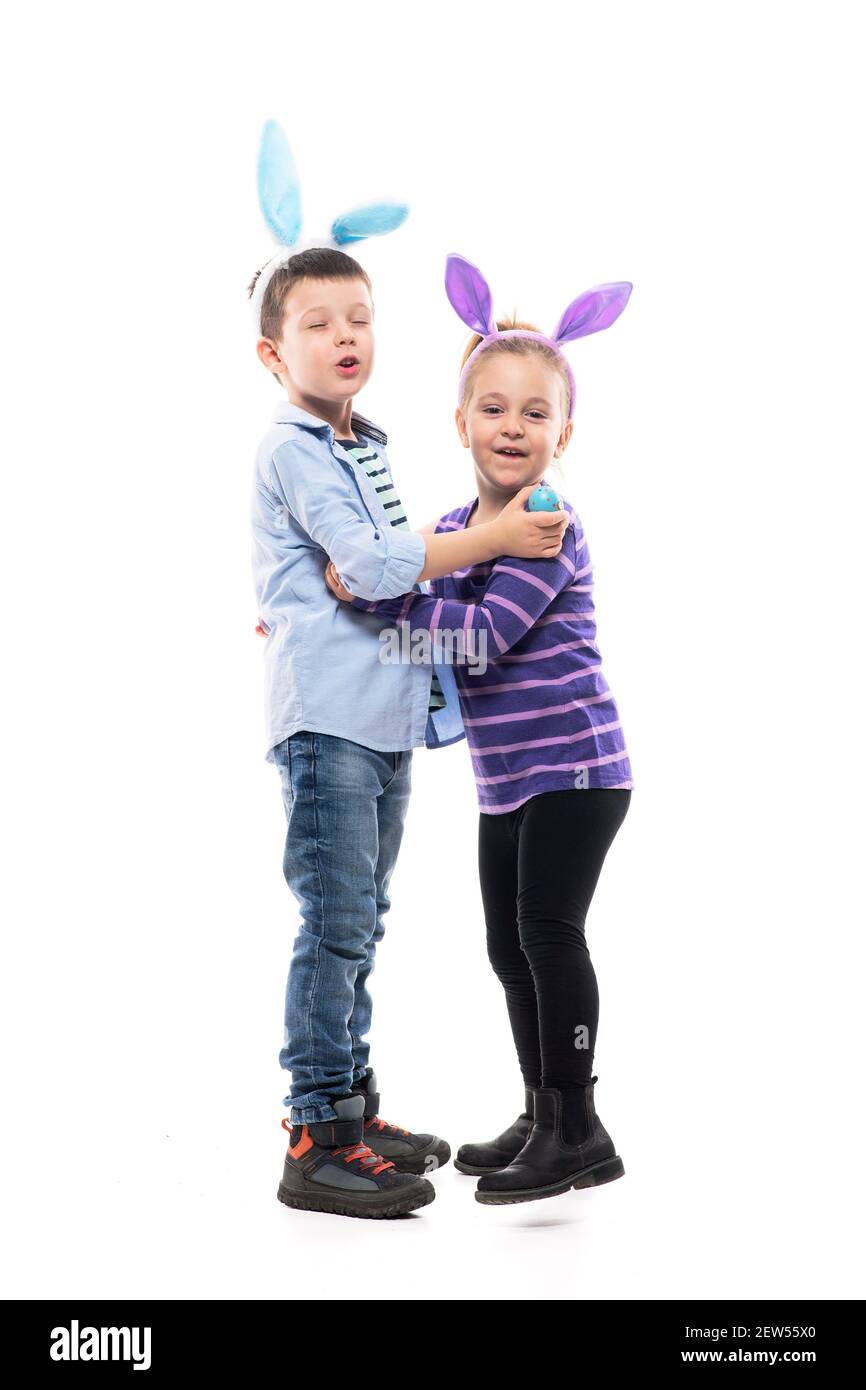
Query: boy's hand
x=530, y=535
x=332, y=580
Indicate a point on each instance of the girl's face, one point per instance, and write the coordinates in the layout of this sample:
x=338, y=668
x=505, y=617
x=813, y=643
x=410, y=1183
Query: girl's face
x=514, y=421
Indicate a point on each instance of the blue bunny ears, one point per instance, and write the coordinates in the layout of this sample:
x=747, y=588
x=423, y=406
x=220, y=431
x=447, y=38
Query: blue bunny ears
x=279, y=185
x=280, y=201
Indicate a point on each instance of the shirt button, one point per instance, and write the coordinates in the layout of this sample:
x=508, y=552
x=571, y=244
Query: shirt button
x=375, y=535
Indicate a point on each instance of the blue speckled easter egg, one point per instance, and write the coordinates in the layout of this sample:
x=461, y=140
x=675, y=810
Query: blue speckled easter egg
x=543, y=499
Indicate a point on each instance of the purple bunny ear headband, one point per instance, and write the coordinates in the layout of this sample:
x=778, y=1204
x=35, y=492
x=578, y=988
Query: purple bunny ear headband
x=470, y=295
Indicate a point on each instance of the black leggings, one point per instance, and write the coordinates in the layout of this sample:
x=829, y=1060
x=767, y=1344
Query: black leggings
x=539, y=866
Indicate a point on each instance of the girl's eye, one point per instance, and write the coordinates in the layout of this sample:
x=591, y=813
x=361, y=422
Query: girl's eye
x=539, y=414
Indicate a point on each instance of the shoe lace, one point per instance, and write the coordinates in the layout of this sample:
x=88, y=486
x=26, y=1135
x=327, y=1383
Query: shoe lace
x=383, y=1124
x=361, y=1153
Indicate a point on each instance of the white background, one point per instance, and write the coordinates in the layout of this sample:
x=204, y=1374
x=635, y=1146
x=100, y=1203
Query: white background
x=709, y=154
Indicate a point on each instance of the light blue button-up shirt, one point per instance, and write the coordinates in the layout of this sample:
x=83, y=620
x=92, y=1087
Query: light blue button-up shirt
x=311, y=502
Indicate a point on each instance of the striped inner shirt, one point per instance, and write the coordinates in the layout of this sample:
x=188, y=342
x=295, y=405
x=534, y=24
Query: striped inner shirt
x=380, y=476
x=541, y=716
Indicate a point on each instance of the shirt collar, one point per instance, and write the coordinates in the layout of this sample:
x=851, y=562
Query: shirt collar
x=286, y=413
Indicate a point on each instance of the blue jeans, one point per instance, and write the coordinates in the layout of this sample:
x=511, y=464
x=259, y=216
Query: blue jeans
x=345, y=809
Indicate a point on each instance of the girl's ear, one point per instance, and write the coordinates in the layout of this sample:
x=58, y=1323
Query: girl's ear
x=469, y=293
x=374, y=219
x=592, y=311
x=565, y=436
x=279, y=189
x=461, y=426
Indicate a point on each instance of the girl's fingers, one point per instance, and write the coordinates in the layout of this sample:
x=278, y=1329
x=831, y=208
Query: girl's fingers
x=332, y=579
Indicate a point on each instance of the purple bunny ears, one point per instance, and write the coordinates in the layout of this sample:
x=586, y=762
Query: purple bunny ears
x=592, y=311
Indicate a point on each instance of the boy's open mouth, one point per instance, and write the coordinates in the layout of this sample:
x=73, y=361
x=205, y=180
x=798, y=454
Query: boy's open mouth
x=349, y=365
x=511, y=453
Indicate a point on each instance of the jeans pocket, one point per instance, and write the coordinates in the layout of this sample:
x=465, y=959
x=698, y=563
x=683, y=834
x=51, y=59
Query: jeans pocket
x=283, y=760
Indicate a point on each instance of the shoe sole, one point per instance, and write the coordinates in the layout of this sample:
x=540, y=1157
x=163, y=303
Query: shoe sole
x=477, y=1172
x=593, y=1176
x=377, y=1207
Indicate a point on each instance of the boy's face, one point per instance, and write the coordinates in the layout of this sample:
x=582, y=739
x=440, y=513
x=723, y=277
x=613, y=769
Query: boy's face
x=326, y=323
x=513, y=422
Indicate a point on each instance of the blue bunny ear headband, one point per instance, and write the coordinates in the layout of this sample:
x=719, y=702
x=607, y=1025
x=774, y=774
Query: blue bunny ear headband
x=280, y=201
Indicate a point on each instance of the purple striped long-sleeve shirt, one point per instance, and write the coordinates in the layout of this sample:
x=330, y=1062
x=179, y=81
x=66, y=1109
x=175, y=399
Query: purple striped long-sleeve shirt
x=541, y=716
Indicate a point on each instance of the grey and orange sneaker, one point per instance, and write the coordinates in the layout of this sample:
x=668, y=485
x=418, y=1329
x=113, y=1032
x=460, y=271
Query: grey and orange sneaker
x=328, y=1167
x=409, y=1153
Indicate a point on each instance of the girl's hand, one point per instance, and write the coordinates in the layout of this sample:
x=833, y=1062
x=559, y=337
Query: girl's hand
x=530, y=535
x=332, y=579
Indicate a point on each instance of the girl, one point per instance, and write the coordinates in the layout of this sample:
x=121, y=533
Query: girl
x=548, y=751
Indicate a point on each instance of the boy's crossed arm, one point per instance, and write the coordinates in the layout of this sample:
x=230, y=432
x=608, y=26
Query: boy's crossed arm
x=376, y=562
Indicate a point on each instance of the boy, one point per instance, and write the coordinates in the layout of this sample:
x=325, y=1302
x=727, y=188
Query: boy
x=341, y=724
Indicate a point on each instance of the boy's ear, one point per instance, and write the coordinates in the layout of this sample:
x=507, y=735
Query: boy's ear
x=268, y=354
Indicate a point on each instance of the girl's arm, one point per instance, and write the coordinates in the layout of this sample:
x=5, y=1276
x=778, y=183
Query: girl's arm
x=516, y=595
x=530, y=535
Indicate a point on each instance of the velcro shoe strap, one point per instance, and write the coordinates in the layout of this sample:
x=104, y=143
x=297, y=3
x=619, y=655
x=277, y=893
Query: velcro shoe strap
x=330, y=1133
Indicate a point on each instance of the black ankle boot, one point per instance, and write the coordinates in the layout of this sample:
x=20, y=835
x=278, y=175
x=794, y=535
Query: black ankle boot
x=568, y=1147
x=498, y=1152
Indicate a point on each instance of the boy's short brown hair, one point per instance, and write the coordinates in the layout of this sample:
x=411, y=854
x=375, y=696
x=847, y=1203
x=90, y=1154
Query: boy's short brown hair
x=318, y=263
